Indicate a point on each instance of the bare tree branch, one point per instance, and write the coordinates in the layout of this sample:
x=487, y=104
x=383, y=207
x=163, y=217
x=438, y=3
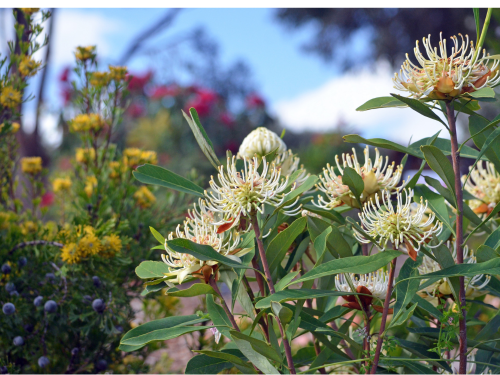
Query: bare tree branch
x=164, y=22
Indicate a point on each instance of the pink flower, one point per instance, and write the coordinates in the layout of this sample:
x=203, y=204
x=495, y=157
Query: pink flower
x=255, y=101
x=47, y=199
x=137, y=82
x=162, y=91
x=227, y=119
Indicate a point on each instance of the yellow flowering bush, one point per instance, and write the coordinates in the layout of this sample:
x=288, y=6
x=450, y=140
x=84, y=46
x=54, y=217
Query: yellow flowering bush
x=32, y=165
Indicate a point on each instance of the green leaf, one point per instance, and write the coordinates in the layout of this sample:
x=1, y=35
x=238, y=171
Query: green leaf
x=296, y=255
x=153, y=288
x=441, y=165
x=201, y=252
x=379, y=142
x=297, y=294
x=490, y=329
x=197, y=289
x=419, y=107
x=492, y=213
x=320, y=244
x=157, y=235
x=278, y=247
x=381, y=102
x=308, y=184
x=436, y=204
x=334, y=313
x=485, y=253
x=445, y=146
x=422, y=351
x=358, y=264
x=213, y=364
x=155, y=175
x=478, y=25
x=259, y=346
x=481, y=128
x=151, y=269
x=485, y=92
x=218, y=315
x=427, y=306
x=256, y=358
x=493, y=239
x=201, y=136
x=280, y=285
x=403, y=317
x=336, y=242
x=355, y=182
x=161, y=329
x=407, y=289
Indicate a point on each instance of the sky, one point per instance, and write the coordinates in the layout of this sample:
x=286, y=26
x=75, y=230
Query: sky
x=301, y=90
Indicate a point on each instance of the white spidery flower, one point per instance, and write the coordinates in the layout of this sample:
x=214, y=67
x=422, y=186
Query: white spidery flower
x=473, y=285
x=216, y=333
x=288, y=163
x=376, y=282
x=471, y=367
x=399, y=224
x=182, y=265
x=443, y=76
x=242, y=193
x=484, y=184
x=376, y=175
x=261, y=142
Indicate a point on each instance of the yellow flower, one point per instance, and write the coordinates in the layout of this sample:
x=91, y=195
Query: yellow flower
x=5, y=219
x=85, y=156
x=14, y=127
x=50, y=231
x=85, y=53
x=117, y=73
x=28, y=227
x=90, y=183
x=70, y=253
x=144, y=197
x=132, y=157
x=112, y=244
x=10, y=97
x=89, y=245
x=99, y=78
x=116, y=169
x=85, y=122
x=149, y=157
x=28, y=67
x=61, y=185
x=31, y=165
x=30, y=11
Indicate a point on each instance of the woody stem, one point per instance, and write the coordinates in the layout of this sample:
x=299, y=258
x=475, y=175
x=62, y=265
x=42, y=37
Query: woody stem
x=213, y=284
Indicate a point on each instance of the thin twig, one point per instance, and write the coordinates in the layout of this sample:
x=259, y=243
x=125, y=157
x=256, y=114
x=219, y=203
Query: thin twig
x=35, y=243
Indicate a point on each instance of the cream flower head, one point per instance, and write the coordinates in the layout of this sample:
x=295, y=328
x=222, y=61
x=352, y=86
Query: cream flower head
x=443, y=76
x=376, y=175
x=484, y=184
x=400, y=224
x=182, y=265
x=261, y=141
x=241, y=193
x=288, y=163
x=375, y=282
x=473, y=285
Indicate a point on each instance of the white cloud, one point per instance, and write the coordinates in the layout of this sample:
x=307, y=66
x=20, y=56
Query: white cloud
x=81, y=28
x=321, y=109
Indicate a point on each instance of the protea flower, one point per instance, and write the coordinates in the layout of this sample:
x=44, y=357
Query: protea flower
x=376, y=175
x=374, y=283
x=399, y=224
x=484, y=184
x=261, y=142
x=288, y=163
x=441, y=288
x=182, y=265
x=244, y=192
x=443, y=76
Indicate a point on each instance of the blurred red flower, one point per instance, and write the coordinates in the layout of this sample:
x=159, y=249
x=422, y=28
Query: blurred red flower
x=255, y=101
x=137, y=82
x=47, y=199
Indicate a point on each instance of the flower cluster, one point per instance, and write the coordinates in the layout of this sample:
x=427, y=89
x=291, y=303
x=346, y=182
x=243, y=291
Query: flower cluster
x=441, y=288
x=400, y=225
x=443, y=76
x=28, y=67
x=85, y=53
x=85, y=122
x=14, y=127
x=244, y=192
x=61, y=185
x=84, y=243
x=10, y=97
x=484, y=184
x=85, y=155
x=261, y=142
x=132, y=157
x=31, y=165
x=376, y=175
x=144, y=197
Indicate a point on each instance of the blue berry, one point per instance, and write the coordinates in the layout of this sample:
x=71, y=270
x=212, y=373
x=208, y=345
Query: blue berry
x=6, y=268
x=28, y=328
x=10, y=287
x=9, y=308
x=21, y=262
x=98, y=305
x=87, y=299
x=96, y=281
x=38, y=301
x=75, y=351
x=43, y=361
x=50, y=306
x=18, y=341
x=101, y=365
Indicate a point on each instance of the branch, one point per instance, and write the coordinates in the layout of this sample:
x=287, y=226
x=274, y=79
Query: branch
x=35, y=243
x=165, y=21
